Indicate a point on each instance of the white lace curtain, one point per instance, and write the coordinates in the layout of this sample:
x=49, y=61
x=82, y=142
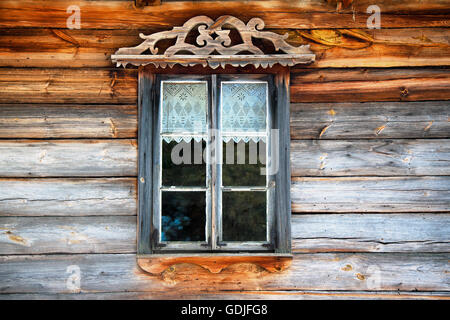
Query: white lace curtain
x=243, y=111
x=184, y=110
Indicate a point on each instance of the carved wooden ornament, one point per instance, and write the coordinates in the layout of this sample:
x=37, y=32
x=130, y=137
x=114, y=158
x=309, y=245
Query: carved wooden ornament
x=157, y=264
x=214, y=46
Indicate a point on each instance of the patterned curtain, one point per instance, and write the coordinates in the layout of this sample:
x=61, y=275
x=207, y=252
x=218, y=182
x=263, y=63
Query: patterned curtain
x=244, y=111
x=184, y=108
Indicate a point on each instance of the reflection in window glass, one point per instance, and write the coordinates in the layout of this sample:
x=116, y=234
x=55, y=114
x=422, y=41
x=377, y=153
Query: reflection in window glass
x=243, y=163
x=244, y=216
x=182, y=163
x=183, y=216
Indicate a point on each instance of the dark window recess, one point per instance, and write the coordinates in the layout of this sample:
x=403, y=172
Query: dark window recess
x=183, y=216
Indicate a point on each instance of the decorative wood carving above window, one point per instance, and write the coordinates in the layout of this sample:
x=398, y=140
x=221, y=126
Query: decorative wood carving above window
x=214, y=47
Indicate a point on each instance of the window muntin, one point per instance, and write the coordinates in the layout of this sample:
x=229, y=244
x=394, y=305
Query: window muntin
x=237, y=216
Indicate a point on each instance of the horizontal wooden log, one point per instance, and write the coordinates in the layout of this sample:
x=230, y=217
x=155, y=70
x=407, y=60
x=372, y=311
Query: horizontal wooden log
x=344, y=48
x=310, y=233
x=308, y=120
x=68, y=158
x=82, y=197
x=236, y=295
x=67, y=197
x=371, y=232
x=92, y=86
x=119, y=272
x=277, y=14
x=100, y=158
x=371, y=194
x=363, y=85
x=37, y=235
x=370, y=157
x=68, y=121
x=119, y=86
x=64, y=48
x=303, y=76
x=370, y=120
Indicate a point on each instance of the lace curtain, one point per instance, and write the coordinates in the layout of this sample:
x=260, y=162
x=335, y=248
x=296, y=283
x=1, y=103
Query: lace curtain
x=244, y=111
x=184, y=109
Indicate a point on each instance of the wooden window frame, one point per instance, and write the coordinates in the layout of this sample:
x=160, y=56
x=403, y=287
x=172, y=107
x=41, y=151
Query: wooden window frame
x=175, y=246
x=274, y=258
x=250, y=246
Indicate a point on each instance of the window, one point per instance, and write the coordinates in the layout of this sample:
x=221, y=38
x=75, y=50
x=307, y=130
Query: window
x=212, y=188
x=213, y=164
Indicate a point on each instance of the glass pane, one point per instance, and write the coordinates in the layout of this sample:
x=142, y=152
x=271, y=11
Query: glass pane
x=183, y=216
x=183, y=164
x=184, y=107
x=244, y=216
x=243, y=163
x=244, y=107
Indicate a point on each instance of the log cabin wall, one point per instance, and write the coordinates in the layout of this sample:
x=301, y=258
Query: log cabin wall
x=370, y=152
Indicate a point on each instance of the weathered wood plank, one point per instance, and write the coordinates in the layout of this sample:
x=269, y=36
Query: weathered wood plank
x=119, y=86
x=308, y=120
x=370, y=120
x=371, y=194
x=68, y=121
x=310, y=233
x=302, y=76
x=277, y=14
x=68, y=86
x=346, y=48
x=64, y=48
x=370, y=157
x=146, y=160
x=119, y=272
x=235, y=295
x=68, y=158
x=371, y=233
x=67, y=197
x=37, y=235
x=75, y=48
x=363, y=85
x=282, y=206
x=81, y=197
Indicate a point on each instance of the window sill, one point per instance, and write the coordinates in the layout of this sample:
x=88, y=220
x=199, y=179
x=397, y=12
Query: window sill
x=215, y=263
